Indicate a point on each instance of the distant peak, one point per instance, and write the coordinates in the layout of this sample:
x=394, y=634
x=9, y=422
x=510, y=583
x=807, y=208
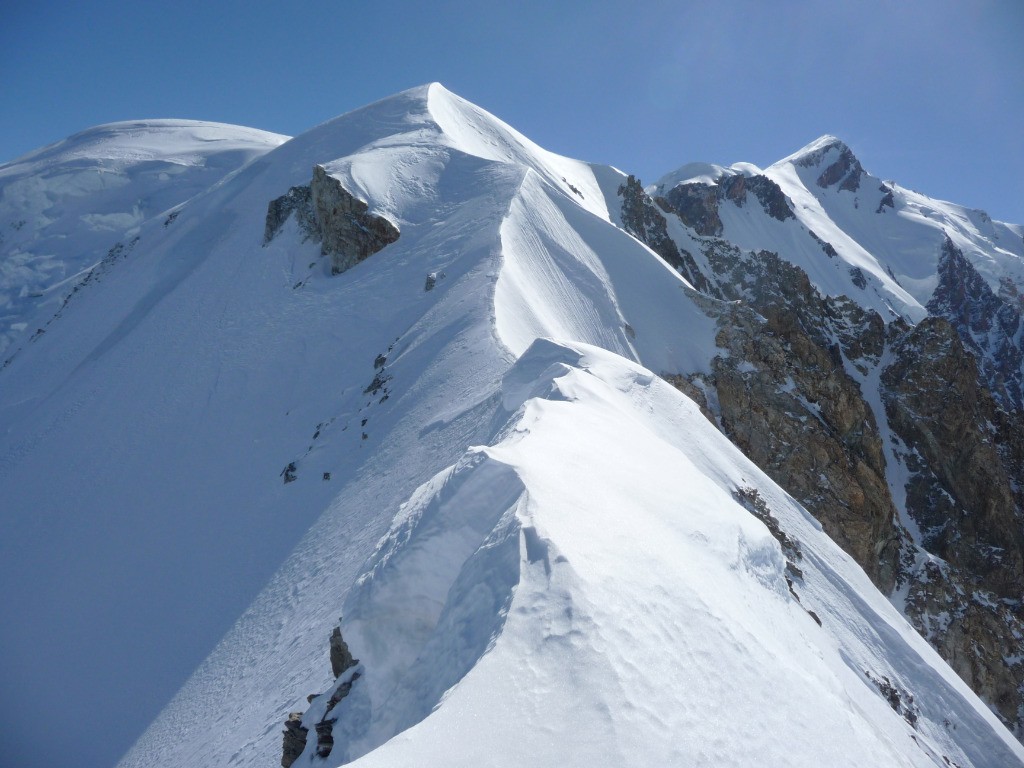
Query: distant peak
x=838, y=166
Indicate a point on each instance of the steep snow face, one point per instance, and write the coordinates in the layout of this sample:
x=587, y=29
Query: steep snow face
x=65, y=207
x=638, y=615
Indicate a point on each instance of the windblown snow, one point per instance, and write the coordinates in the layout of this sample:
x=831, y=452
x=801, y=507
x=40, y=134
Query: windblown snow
x=539, y=551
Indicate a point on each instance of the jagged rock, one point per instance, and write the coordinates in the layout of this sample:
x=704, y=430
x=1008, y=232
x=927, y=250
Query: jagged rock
x=988, y=325
x=348, y=232
x=786, y=404
x=827, y=247
x=697, y=207
x=767, y=192
x=782, y=394
x=976, y=632
x=697, y=203
x=294, y=739
x=325, y=737
x=887, y=200
x=294, y=733
x=642, y=219
x=331, y=215
x=297, y=200
x=963, y=494
x=341, y=657
x=965, y=456
x=845, y=171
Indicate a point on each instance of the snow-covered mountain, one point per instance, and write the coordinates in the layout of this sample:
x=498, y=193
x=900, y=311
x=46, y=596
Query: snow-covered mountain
x=70, y=209
x=410, y=376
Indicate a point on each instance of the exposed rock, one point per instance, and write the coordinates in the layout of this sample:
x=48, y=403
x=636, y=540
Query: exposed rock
x=802, y=419
x=348, y=232
x=827, y=247
x=339, y=221
x=342, y=665
x=989, y=326
x=977, y=633
x=782, y=394
x=642, y=219
x=769, y=194
x=297, y=200
x=341, y=657
x=697, y=207
x=965, y=459
x=697, y=203
x=294, y=739
x=963, y=491
x=857, y=277
x=887, y=199
x=845, y=171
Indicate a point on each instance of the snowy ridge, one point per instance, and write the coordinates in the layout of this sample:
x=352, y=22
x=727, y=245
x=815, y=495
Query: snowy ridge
x=632, y=602
x=392, y=445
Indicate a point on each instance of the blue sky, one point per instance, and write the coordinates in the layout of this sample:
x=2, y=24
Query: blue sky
x=930, y=94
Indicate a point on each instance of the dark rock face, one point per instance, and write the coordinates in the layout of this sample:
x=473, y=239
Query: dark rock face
x=782, y=394
x=341, y=657
x=297, y=200
x=951, y=388
x=966, y=458
x=845, y=171
x=697, y=207
x=697, y=203
x=989, y=325
x=963, y=495
x=339, y=221
x=642, y=219
x=887, y=200
x=348, y=233
x=294, y=739
x=295, y=733
x=771, y=197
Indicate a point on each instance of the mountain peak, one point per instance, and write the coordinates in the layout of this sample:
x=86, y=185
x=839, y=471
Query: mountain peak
x=835, y=161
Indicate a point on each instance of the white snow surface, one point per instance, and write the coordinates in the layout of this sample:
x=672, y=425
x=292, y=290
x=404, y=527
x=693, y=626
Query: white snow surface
x=63, y=207
x=534, y=543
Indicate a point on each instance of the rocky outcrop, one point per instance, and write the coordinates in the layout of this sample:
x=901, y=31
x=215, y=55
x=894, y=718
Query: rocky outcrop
x=294, y=739
x=781, y=392
x=962, y=492
x=642, y=219
x=965, y=457
x=341, y=657
x=975, y=631
x=989, y=325
x=329, y=214
x=295, y=733
x=785, y=390
x=845, y=172
x=697, y=204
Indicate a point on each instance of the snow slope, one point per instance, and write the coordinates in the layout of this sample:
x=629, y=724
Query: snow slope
x=552, y=507
x=66, y=206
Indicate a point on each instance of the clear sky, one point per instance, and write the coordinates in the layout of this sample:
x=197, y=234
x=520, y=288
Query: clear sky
x=928, y=93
